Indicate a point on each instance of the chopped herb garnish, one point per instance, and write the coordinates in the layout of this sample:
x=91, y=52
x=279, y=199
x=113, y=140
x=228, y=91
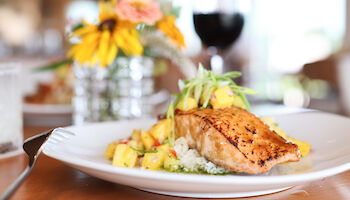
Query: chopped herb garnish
x=126, y=165
x=165, y=141
x=170, y=117
x=206, y=83
x=144, y=151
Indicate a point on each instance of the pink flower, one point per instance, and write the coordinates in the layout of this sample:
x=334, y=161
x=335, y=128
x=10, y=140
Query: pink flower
x=146, y=11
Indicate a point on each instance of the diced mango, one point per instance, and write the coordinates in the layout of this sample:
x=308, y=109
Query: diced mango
x=222, y=98
x=160, y=130
x=147, y=139
x=110, y=150
x=124, y=156
x=191, y=104
x=304, y=147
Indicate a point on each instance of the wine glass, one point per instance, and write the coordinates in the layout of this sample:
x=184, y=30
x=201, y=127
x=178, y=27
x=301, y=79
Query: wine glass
x=218, y=24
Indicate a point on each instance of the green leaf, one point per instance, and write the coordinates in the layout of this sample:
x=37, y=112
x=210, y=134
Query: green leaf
x=55, y=66
x=77, y=26
x=148, y=52
x=144, y=151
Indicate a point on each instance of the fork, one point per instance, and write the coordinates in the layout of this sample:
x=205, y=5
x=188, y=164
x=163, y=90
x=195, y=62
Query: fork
x=33, y=147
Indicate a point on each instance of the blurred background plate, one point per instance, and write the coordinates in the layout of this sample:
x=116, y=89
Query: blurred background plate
x=47, y=115
x=47, y=108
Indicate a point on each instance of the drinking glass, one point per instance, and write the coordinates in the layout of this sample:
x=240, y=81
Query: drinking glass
x=218, y=24
x=11, y=136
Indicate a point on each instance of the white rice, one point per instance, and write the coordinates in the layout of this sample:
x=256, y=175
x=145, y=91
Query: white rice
x=191, y=161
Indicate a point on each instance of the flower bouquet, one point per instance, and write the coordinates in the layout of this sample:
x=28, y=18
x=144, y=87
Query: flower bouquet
x=113, y=58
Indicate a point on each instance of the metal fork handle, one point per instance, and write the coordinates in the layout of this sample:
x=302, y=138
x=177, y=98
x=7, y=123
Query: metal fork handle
x=32, y=147
x=13, y=187
x=40, y=138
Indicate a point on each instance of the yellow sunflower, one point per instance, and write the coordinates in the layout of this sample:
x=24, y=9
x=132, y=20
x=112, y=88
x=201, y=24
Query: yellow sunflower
x=167, y=26
x=100, y=43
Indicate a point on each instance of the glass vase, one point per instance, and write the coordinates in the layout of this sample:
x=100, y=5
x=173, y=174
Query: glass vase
x=122, y=90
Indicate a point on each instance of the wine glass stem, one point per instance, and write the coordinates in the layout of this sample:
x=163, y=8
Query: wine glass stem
x=216, y=61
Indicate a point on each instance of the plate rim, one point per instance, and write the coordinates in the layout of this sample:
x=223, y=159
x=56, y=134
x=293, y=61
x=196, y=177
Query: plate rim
x=214, y=179
x=217, y=179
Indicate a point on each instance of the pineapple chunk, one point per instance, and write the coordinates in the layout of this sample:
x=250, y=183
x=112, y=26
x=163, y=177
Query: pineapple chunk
x=136, y=144
x=110, y=150
x=136, y=135
x=124, y=156
x=159, y=131
x=272, y=123
x=191, y=103
x=147, y=139
x=155, y=161
x=222, y=98
x=164, y=147
x=171, y=163
x=304, y=147
x=238, y=102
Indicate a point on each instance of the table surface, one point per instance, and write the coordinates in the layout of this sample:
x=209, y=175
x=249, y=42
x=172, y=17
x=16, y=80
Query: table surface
x=52, y=179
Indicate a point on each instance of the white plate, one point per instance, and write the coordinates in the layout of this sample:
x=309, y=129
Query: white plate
x=328, y=134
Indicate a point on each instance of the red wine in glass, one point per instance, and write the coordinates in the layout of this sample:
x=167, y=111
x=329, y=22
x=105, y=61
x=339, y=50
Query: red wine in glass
x=217, y=29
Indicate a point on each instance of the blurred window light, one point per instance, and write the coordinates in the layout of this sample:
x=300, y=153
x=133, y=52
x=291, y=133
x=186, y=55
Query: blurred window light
x=296, y=97
x=17, y=28
x=284, y=36
x=296, y=32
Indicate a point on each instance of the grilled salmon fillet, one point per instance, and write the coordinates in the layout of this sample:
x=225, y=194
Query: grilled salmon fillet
x=235, y=139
